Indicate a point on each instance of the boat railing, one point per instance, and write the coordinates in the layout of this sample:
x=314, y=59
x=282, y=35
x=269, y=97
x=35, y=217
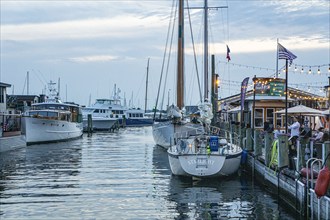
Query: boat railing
x=187, y=133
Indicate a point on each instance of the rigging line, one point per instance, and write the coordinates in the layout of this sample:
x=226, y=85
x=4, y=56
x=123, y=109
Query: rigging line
x=38, y=77
x=195, y=58
x=169, y=57
x=164, y=56
x=227, y=23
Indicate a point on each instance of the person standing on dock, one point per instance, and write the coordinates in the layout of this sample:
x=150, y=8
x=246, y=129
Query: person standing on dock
x=294, y=135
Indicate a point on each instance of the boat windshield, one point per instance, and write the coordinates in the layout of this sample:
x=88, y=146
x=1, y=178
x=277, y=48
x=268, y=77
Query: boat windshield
x=51, y=106
x=43, y=113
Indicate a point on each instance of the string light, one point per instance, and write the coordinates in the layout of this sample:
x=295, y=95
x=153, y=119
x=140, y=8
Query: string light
x=290, y=69
x=318, y=71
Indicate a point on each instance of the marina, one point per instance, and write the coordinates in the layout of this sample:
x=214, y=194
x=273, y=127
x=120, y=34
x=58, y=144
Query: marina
x=121, y=175
x=221, y=135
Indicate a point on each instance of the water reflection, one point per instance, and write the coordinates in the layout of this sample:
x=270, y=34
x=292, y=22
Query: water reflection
x=226, y=198
x=119, y=175
x=27, y=175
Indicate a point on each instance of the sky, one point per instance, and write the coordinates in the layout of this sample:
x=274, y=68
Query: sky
x=91, y=46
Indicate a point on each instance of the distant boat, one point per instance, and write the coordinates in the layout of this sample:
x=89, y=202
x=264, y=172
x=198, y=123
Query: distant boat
x=136, y=117
x=52, y=120
x=102, y=114
x=106, y=112
x=11, y=137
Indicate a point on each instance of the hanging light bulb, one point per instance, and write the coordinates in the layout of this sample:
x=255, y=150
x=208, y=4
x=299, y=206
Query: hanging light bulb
x=295, y=68
x=302, y=70
x=318, y=71
x=310, y=70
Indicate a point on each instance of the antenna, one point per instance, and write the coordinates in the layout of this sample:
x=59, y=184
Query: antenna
x=27, y=82
x=59, y=86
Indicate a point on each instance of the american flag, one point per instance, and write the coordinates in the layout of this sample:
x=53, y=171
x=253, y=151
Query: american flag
x=228, y=51
x=285, y=54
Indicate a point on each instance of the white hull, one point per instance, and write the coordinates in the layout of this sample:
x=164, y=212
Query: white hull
x=100, y=123
x=164, y=132
x=204, y=156
x=203, y=165
x=40, y=130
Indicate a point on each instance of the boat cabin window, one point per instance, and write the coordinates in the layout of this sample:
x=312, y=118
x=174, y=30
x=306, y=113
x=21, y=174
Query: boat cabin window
x=43, y=113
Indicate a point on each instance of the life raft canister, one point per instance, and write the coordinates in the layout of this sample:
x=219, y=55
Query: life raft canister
x=244, y=156
x=322, y=182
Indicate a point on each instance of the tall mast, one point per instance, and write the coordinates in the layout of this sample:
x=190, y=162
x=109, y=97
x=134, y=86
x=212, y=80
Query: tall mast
x=180, y=70
x=206, y=51
x=146, y=96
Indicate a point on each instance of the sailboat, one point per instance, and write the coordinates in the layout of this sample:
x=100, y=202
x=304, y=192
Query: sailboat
x=163, y=131
x=213, y=153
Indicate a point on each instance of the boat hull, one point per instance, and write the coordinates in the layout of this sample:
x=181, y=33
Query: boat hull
x=164, y=132
x=100, y=124
x=204, y=165
x=136, y=122
x=38, y=130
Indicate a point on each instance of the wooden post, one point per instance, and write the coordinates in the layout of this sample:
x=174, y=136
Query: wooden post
x=257, y=143
x=283, y=151
x=249, y=146
x=269, y=138
x=89, y=124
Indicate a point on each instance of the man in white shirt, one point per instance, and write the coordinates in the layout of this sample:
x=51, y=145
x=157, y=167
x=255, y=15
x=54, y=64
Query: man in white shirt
x=294, y=136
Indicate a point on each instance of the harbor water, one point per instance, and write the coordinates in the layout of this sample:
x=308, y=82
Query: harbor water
x=121, y=175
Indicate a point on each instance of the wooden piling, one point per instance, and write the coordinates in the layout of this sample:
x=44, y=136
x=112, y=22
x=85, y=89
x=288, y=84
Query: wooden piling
x=283, y=151
x=257, y=143
x=269, y=138
x=248, y=145
x=89, y=125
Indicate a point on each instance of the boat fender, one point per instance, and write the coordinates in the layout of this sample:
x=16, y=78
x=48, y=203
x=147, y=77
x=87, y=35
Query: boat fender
x=322, y=182
x=244, y=157
x=304, y=171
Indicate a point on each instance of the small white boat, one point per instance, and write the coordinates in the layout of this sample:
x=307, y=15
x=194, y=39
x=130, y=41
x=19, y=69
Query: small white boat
x=52, y=120
x=107, y=112
x=102, y=114
x=205, y=155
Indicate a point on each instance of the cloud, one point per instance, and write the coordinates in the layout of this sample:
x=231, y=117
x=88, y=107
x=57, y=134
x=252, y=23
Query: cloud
x=127, y=26
x=257, y=45
x=96, y=58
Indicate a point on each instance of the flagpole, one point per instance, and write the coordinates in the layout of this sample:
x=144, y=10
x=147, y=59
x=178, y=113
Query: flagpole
x=276, y=74
x=286, y=96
